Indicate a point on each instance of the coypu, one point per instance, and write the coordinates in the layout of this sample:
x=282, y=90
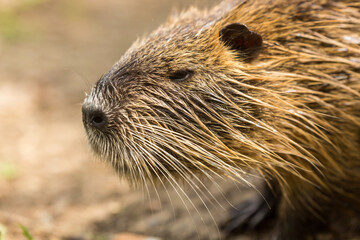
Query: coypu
x=266, y=86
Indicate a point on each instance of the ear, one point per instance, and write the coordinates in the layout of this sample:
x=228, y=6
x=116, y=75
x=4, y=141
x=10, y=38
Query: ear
x=239, y=38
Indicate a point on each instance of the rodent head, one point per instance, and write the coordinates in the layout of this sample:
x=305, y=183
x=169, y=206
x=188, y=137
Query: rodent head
x=172, y=105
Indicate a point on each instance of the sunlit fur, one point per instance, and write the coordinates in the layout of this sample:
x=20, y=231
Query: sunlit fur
x=292, y=113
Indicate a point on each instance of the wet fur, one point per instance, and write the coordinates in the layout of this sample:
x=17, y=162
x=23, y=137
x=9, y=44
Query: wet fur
x=292, y=112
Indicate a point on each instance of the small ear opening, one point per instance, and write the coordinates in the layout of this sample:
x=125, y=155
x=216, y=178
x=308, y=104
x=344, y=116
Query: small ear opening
x=239, y=38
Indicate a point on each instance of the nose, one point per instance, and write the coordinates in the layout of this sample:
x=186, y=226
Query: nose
x=94, y=117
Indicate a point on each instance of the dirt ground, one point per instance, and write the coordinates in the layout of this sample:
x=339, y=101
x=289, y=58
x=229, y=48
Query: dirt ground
x=51, y=52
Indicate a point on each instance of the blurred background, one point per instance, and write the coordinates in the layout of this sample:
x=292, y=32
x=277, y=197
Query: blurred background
x=51, y=187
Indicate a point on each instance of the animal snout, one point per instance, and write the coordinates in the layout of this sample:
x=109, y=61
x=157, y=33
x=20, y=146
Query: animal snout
x=94, y=117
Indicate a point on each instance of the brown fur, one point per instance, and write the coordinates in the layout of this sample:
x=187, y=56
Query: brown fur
x=292, y=113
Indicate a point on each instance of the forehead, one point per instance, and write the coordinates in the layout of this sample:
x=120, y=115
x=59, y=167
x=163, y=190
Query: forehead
x=168, y=46
x=180, y=43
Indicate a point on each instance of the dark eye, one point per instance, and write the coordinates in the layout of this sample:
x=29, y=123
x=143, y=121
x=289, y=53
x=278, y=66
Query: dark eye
x=181, y=75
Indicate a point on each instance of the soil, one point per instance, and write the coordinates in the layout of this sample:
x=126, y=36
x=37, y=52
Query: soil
x=51, y=52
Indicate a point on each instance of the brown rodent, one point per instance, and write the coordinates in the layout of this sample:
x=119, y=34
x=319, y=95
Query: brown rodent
x=271, y=86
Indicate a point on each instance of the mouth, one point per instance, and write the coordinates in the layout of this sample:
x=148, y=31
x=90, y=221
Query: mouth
x=140, y=147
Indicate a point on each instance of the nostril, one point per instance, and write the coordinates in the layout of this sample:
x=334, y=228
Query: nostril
x=97, y=119
x=94, y=117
